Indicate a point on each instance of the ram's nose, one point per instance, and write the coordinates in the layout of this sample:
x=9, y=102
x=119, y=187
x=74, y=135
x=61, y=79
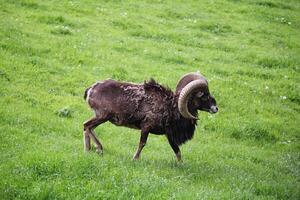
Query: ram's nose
x=213, y=109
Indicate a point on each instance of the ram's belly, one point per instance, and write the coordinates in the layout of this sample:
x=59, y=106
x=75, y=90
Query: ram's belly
x=157, y=130
x=131, y=121
x=127, y=120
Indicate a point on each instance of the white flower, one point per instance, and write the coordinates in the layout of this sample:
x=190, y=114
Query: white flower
x=283, y=97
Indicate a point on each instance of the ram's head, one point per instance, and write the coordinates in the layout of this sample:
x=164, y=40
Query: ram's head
x=194, y=94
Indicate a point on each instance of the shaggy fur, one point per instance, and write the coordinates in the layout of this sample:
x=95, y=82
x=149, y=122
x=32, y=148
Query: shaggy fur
x=150, y=107
x=177, y=128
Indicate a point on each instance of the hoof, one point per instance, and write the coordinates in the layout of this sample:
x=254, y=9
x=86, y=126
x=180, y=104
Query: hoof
x=87, y=150
x=99, y=151
x=135, y=158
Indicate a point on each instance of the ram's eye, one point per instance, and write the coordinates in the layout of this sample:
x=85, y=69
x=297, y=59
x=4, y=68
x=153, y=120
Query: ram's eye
x=204, y=98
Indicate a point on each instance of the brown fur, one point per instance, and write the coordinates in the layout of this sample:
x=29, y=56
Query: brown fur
x=150, y=107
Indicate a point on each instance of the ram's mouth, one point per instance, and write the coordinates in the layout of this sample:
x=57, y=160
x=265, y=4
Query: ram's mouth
x=213, y=109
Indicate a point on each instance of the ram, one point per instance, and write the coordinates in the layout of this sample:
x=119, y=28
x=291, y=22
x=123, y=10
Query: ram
x=149, y=107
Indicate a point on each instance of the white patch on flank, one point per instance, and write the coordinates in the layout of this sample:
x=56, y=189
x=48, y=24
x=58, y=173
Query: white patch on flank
x=89, y=91
x=88, y=95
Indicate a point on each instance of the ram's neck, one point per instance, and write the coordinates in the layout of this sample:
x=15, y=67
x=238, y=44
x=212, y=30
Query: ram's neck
x=181, y=129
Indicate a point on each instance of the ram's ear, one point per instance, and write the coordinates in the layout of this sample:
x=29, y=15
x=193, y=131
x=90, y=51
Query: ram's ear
x=199, y=94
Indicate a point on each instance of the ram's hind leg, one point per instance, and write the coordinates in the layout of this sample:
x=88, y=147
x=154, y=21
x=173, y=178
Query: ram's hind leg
x=88, y=132
x=86, y=141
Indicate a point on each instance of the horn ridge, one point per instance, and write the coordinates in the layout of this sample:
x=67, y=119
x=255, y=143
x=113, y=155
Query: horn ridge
x=187, y=78
x=185, y=93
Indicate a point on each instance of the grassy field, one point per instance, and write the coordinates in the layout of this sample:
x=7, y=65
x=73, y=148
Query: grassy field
x=50, y=51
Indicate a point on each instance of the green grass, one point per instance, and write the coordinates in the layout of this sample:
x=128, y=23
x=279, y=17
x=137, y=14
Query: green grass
x=50, y=51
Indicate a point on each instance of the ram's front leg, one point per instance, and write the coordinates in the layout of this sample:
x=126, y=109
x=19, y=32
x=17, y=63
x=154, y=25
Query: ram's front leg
x=143, y=141
x=176, y=150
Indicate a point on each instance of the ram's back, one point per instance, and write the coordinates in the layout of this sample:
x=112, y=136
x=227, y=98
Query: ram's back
x=129, y=104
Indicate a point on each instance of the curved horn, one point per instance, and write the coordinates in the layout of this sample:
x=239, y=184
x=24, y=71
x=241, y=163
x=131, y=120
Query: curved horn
x=187, y=78
x=200, y=84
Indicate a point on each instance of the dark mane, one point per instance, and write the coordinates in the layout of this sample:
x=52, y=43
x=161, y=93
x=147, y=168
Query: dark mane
x=181, y=129
x=178, y=129
x=152, y=85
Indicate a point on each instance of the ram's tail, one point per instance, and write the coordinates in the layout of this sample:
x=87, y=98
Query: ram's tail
x=86, y=93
